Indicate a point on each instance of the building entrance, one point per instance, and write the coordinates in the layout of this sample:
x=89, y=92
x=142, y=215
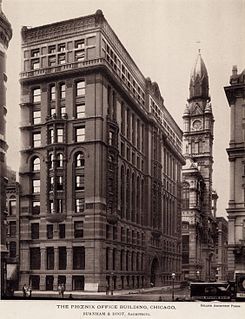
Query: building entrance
x=154, y=271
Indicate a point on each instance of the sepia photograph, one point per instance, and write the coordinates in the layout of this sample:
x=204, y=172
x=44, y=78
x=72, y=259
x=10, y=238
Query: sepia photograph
x=122, y=158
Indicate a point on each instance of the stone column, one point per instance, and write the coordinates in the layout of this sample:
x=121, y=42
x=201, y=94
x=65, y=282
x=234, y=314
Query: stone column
x=43, y=258
x=56, y=259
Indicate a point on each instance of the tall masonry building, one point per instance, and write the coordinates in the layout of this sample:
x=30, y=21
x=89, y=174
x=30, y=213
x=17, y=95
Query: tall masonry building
x=100, y=164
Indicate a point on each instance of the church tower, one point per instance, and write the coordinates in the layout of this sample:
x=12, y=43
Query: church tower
x=198, y=142
x=198, y=128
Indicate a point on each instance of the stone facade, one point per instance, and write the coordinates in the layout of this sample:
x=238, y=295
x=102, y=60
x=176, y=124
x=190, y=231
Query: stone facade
x=235, y=94
x=12, y=204
x=222, y=249
x=199, y=233
x=100, y=164
x=5, y=36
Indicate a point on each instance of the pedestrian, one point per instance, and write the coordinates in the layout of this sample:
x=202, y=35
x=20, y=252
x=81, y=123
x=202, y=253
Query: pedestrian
x=29, y=291
x=62, y=290
x=59, y=289
x=24, y=290
x=107, y=289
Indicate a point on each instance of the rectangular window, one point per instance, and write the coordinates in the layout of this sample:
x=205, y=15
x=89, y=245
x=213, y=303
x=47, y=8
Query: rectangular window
x=50, y=258
x=51, y=49
x=80, y=134
x=52, y=111
x=35, y=258
x=52, y=60
x=35, y=64
x=51, y=136
x=12, y=207
x=79, y=55
x=36, y=186
x=60, y=135
x=51, y=206
x=36, y=117
x=114, y=234
x=79, y=182
x=62, y=91
x=35, y=207
x=52, y=93
x=12, y=249
x=79, y=44
x=80, y=88
x=50, y=231
x=35, y=53
x=59, y=184
x=12, y=229
x=59, y=206
x=78, y=258
x=62, y=230
x=62, y=110
x=61, y=59
x=51, y=183
x=80, y=111
x=34, y=231
x=78, y=229
x=36, y=139
x=61, y=47
x=62, y=258
x=79, y=205
x=36, y=95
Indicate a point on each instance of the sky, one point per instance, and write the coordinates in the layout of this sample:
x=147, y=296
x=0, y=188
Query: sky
x=163, y=38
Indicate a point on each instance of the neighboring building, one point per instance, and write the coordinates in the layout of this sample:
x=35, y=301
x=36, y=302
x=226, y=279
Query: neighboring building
x=199, y=231
x=222, y=249
x=100, y=164
x=5, y=36
x=235, y=94
x=12, y=200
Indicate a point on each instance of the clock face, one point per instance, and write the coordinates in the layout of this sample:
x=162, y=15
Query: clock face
x=197, y=125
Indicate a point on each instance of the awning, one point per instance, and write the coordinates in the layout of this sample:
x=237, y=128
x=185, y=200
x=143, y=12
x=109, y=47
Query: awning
x=11, y=271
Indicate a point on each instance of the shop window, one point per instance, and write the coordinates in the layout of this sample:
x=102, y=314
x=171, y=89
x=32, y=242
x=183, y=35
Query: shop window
x=78, y=258
x=35, y=258
x=50, y=258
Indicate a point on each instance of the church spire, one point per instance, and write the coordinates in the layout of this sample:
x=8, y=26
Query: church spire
x=199, y=87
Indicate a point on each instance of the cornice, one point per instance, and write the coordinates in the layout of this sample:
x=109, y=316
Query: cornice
x=45, y=32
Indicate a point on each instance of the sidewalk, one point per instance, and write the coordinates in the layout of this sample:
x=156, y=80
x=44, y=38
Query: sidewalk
x=80, y=294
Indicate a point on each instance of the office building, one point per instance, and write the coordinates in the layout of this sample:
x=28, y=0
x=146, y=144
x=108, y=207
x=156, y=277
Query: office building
x=100, y=164
x=236, y=154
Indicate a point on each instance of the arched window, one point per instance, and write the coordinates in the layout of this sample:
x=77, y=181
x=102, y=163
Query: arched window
x=80, y=162
x=36, y=164
x=60, y=160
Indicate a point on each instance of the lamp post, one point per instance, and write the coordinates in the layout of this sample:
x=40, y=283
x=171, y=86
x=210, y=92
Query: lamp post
x=173, y=278
x=198, y=275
